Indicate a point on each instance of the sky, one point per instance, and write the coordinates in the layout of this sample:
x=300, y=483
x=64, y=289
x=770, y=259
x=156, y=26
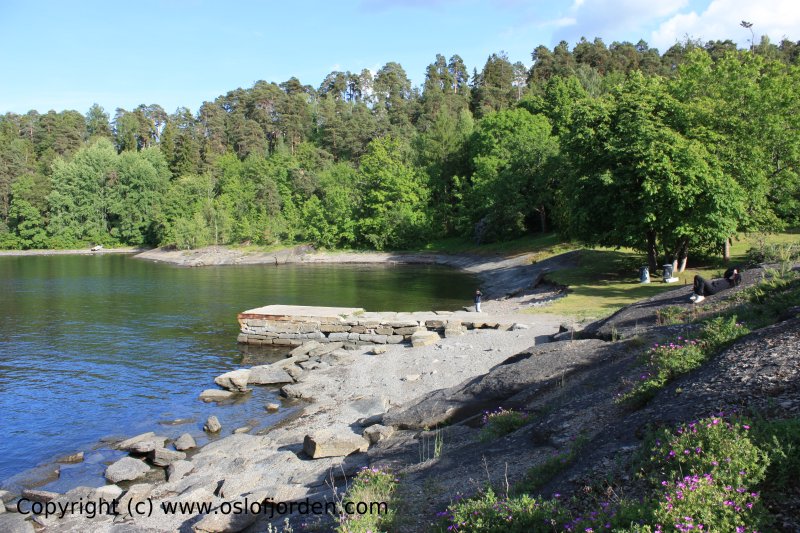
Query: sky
x=70, y=54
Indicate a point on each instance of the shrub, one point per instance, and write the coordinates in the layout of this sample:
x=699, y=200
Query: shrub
x=501, y=422
x=707, y=471
x=371, y=490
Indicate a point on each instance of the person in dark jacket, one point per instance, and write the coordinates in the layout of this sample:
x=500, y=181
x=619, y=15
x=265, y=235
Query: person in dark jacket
x=703, y=287
x=478, y=296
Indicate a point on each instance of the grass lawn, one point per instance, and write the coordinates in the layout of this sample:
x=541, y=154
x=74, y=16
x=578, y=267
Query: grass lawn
x=606, y=279
x=544, y=245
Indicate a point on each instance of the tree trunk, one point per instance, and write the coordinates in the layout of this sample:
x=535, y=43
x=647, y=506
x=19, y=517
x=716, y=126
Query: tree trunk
x=652, y=253
x=683, y=256
x=726, y=250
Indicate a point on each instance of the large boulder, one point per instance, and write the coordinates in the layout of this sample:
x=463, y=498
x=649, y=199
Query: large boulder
x=235, y=380
x=126, y=469
x=334, y=443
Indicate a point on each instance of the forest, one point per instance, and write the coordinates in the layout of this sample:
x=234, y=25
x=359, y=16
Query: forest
x=615, y=145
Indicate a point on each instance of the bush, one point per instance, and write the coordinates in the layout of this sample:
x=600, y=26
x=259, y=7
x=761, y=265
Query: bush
x=773, y=253
x=501, y=422
x=706, y=472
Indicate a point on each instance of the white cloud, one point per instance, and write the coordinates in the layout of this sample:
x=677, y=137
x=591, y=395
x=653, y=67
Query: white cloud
x=612, y=18
x=721, y=19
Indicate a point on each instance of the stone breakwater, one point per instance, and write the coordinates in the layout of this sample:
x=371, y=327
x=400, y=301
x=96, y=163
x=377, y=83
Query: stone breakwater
x=293, y=325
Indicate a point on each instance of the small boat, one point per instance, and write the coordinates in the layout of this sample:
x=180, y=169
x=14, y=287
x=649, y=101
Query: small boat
x=97, y=248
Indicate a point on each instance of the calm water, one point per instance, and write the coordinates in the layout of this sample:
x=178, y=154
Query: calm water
x=92, y=346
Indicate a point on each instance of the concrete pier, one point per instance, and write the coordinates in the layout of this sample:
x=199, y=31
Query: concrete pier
x=292, y=325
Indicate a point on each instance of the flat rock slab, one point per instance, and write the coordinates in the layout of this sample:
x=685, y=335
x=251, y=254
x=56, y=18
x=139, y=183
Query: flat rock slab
x=268, y=375
x=424, y=338
x=300, y=312
x=215, y=395
x=333, y=443
x=126, y=469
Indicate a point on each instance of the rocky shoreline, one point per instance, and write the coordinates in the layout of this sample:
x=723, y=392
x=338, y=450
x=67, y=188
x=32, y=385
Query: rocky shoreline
x=308, y=455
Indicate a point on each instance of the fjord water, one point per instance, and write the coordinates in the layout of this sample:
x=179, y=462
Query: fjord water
x=92, y=346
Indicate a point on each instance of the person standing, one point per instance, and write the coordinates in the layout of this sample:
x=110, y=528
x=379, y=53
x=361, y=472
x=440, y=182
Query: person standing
x=478, y=296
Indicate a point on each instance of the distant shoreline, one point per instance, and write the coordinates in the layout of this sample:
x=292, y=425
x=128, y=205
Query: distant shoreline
x=81, y=251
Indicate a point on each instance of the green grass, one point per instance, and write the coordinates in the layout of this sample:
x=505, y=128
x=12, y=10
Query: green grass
x=544, y=245
x=605, y=279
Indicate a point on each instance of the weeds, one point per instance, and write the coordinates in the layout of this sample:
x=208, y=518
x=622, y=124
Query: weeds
x=501, y=422
x=666, y=362
x=365, y=505
x=431, y=445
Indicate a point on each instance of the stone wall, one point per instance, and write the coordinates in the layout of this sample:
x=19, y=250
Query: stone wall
x=294, y=325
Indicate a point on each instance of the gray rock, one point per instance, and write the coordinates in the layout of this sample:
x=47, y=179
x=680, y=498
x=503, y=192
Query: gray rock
x=536, y=369
x=453, y=328
x=126, y=469
x=148, y=445
x=212, y=425
x=294, y=371
x=272, y=407
x=41, y=496
x=185, y=442
x=177, y=470
x=229, y=523
x=411, y=377
x=518, y=326
x=325, y=349
x=333, y=443
x=165, y=457
x=304, y=348
x=378, y=433
x=135, y=493
x=71, y=458
x=2, y=507
x=243, y=429
x=268, y=375
x=127, y=444
x=367, y=407
x=424, y=338
x=107, y=492
x=15, y=523
x=378, y=350
x=235, y=380
x=215, y=395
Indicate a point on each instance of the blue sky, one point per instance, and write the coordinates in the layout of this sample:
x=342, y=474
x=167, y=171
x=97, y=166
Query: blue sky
x=69, y=54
